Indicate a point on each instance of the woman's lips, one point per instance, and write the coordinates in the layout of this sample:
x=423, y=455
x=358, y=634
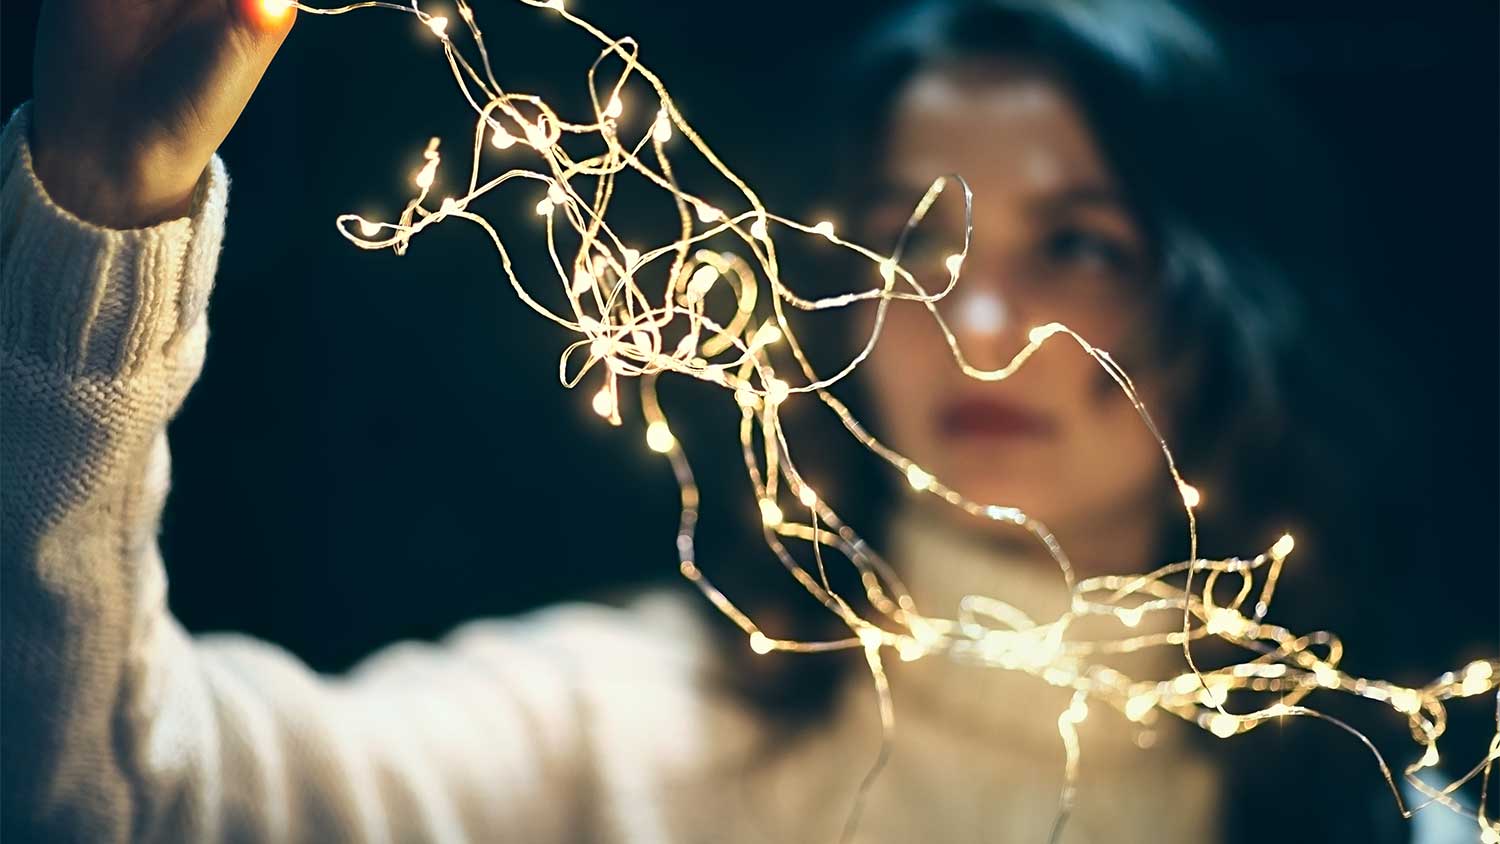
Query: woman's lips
x=988, y=417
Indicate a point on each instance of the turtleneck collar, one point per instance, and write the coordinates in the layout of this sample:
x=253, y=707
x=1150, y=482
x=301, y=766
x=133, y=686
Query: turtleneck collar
x=941, y=564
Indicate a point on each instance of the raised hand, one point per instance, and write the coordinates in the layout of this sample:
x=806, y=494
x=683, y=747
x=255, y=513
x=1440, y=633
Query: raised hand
x=133, y=97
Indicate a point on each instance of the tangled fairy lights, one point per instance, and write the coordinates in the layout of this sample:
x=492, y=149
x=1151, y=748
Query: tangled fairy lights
x=684, y=308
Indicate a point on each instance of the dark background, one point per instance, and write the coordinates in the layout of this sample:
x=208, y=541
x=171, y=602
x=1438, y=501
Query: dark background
x=379, y=447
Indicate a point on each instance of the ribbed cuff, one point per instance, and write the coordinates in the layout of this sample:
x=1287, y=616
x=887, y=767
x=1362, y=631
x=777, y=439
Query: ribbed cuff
x=88, y=300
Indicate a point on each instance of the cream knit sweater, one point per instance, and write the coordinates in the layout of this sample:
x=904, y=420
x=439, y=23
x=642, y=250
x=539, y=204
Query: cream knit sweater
x=577, y=723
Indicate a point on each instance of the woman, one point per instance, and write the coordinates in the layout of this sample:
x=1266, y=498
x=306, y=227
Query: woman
x=589, y=723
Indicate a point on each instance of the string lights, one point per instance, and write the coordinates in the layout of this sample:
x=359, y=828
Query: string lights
x=688, y=308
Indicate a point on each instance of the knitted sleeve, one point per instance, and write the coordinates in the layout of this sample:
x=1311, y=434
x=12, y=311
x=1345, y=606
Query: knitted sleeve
x=118, y=725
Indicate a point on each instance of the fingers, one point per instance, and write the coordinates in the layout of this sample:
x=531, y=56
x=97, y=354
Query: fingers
x=269, y=17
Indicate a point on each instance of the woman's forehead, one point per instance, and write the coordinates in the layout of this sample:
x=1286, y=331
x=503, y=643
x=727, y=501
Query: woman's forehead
x=1003, y=125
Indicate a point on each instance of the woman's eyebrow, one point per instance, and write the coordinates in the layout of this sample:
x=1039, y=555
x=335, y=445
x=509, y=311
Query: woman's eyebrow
x=1081, y=195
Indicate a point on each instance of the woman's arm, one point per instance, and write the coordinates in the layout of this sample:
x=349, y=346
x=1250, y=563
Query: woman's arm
x=115, y=724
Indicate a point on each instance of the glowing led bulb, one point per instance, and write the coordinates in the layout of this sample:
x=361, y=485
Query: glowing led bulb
x=888, y=271
x=777, y=391
x=764, y=336
x=1190, y=495
x=1223, y=725
x=807, y=496
x=1130, y=617
x=1222, y=620
x=1283, y=547
x=1040, y=333
x=662, y=131
x=448, y=205
x=1325, y=676
x=760, y=644
x=275, y=8
x=615, y=107
x=918, y=477
x=631, y=256
x=910, y=649
x=501, y=139
x=659, y=437
x=368, y=229
x=1406, y=700
x=1476, y=678
x=954, y=263
x=583, y=281
x=746, y=397
x=544, y=207
x=1138, y=705
x=438, y=25
x=604, y=402
x=824, y=228
x=871, y=637
x=770, y=514
x=538, y=138
x=557, y=194
x=1077, y=711
x=708, y=214
x=701, y=281
x=427, y=174
x=1429, y=758
x=758, y=229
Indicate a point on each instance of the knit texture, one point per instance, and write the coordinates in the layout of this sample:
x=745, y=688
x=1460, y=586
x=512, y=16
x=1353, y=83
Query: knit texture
x=578, y=723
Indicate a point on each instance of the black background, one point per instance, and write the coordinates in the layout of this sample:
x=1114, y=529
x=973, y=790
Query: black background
x=379, y=447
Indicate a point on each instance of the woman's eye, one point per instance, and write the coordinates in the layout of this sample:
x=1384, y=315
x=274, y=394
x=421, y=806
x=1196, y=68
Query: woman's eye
x=1071, y=247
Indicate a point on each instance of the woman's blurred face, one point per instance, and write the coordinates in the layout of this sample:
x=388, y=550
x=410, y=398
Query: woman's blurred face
x=1052, y=241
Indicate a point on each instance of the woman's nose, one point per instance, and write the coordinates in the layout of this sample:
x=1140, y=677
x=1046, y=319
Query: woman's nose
x=985, y=320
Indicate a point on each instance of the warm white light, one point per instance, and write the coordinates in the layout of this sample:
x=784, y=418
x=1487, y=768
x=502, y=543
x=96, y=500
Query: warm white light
x=1223, y=725
x=662, y=131
x=824, y=228
x=807, y=496
x=426, y=175
x=1190, y=494
x=368, y=229
x=758, y=229
x=1138, y=705
x=918, y=477
x=954, y=263
x=615, y=107
x=770, y=514
x=659, y=437
x=765, y=335
x=275, y=8
x=760, y=644
x=1283, y=547
x=501, y=139
x=708, y=214
x=438, y=25
x=604, y=403
x=777, y=391
x=1406, y=700
x=701, y=281
x=1325, y=676
x=544, y=207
